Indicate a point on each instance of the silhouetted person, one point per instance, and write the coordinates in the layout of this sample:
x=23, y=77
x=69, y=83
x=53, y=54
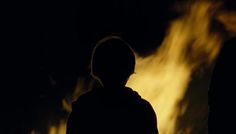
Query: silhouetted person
x=112, y=108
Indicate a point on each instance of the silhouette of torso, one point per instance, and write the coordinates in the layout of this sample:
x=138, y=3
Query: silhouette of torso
x=112, y=111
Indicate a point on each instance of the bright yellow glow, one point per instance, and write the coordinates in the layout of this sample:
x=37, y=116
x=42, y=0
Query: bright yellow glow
x=163, y=77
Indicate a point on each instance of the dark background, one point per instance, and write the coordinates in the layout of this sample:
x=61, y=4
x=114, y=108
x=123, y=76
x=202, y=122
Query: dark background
x=43, y=39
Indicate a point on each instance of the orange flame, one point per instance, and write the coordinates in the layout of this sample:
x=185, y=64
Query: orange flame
x=163, y=78
x=228, y=18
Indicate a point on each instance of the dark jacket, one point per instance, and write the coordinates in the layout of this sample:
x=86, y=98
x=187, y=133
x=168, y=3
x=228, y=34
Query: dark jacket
x=112, y=111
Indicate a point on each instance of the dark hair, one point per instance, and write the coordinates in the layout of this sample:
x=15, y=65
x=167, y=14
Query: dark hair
x=112, y=59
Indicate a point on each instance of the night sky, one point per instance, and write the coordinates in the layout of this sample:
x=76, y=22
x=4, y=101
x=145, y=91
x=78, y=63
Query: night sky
x=56, y=38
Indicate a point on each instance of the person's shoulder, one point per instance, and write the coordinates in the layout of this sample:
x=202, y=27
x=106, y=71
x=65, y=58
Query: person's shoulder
x=139, y=98
x=86, y=97
x=131, y=92
x=147, y=105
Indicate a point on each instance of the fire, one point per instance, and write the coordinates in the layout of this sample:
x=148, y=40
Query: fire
x=60, y=129
x=163, y=77
x=228, y=18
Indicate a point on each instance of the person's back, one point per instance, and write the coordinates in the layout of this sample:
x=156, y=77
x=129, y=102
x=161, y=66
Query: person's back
x=106, y=111
x=112, y=108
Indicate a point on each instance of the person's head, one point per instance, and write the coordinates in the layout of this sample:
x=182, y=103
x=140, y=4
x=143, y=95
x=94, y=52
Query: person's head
x=113, y=61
